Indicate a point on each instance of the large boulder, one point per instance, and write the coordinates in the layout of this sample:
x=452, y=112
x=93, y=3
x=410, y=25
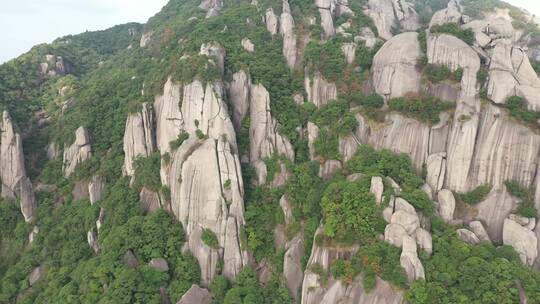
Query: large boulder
x=196, y=295
x=78, y=152
x=377, y=188
x=394, y=71
x=522, y=239
x=511, y=73
x=447, y=205
x=409, y=260
x=407, y=220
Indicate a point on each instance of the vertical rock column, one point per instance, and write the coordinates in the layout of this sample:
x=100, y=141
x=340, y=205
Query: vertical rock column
x=15, y=183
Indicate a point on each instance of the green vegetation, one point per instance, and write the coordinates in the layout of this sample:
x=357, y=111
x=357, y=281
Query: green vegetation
x=379, y=259
x=482, y=75
x=426, y=109
x=437, y=73
x=526, y=207
x=247, y=290
x=74, y=272
x=350, y=212
x=518, y=109
x=147, y=172
x=334, y=120
x=210, y=239
x=474, y=196
x=452, y=273
x=326, y=58
x=467, y=35
x=175, y=144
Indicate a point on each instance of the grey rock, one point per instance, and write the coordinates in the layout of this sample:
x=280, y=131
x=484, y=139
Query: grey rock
x=130, y=260
x=196, y=295
x=272, y=21
x=78, y=152
x=424, y=240
x=478, y=228
x=239, y=91
x=377, y=188
x=151, y=201
x=394, y=234
x=248, y=45
x=447, y=205
x=409, y=260
x=36, y=275
x=265, y=141
x=329, y=168
x=522, y=239
x=216, y=51
x=96, y=188
x=409, y=221
x=289, y=36
x=139, y=137
x=92, y=240
x=319, y=91
x=436, y=170
x=292, y=265
x=394, y=72
x=159, y=264
x=33, y=234
x=468, y=236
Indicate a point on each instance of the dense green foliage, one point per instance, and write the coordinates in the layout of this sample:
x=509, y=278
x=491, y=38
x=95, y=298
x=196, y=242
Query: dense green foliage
x=467, y=35
x=526, y=207
x=334, y=120
x=462, y=273
x=210, y=239
x=350, y=212
x=326, y=58
x=147, y=172
x=518, y=109
x=475, y=196
x=426, y=109
x=437, y=73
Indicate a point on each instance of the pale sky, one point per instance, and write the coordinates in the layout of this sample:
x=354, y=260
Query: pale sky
x=25, y=23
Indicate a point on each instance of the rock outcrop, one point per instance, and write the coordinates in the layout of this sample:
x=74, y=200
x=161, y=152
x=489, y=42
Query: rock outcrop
x=196, y=295
x=15, y=183
x=394, y=71
x=265, y=141
x=451, y=14
x=239, y=90
x=78, y=152
x=511, y=73
x=522, y=239
x=286, y=28
x=139, y=138
x=272, y=21
x=212, y=7
x=319, y=91
x=392, y=14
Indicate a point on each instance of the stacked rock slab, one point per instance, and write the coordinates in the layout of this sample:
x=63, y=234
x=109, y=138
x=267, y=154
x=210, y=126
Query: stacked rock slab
x=204, y=173
x=139, y=139
x=15, y=183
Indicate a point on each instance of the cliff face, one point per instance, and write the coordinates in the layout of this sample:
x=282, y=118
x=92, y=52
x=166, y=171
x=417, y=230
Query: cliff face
x=240, y=133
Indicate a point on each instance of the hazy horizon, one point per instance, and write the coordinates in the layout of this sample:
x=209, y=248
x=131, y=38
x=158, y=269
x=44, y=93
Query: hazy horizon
x=28, y=23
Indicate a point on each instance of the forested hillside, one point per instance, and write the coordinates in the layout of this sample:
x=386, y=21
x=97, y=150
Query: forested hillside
x=301, y=151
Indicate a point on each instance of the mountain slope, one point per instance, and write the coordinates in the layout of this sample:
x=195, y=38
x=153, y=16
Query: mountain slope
x=276, y=152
